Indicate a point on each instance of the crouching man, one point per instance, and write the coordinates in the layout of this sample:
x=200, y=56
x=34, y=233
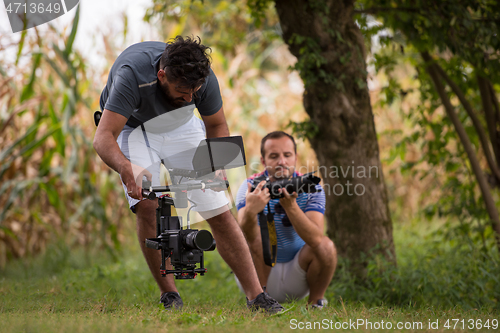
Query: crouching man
x=306, y=258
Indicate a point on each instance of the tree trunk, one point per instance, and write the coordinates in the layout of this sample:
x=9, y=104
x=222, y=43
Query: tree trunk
x=331, y=61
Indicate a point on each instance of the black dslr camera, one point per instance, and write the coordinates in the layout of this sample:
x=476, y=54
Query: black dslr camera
x=301, y=184
x=185, y=247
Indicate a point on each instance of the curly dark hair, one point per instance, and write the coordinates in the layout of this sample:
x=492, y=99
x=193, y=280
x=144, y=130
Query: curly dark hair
x=186, y=61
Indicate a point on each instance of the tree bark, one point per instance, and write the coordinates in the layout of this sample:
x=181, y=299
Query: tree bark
x=338, y=103
x=464, y=139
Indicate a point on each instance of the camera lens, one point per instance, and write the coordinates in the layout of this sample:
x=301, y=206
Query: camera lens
x=201, y=240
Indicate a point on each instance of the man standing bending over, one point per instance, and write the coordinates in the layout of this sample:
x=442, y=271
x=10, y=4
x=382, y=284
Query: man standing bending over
x=306, y=258
x=149, y=81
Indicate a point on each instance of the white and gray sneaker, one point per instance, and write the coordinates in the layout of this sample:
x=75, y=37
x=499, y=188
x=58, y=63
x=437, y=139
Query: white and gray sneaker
x=320, y=304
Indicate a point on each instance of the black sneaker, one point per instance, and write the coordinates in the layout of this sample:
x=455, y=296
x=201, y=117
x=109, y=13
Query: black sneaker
x=265, y=302
x=171, y=300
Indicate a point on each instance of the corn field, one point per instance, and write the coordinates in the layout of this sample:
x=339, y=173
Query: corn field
x=53, y=186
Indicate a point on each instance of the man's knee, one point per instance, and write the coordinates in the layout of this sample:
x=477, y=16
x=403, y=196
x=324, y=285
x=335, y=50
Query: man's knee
x=325, y=252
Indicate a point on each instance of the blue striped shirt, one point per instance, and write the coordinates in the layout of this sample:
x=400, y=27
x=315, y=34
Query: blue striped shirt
x=289, y=242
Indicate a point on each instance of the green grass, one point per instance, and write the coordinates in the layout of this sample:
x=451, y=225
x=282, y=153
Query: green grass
x=71, y=291
x=438, y=266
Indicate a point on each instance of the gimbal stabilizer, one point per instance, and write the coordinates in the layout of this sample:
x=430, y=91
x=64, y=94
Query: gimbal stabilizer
x=184, y=247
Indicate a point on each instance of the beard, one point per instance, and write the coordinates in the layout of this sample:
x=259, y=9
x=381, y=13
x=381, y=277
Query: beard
x=282, y=172
x=175, y=102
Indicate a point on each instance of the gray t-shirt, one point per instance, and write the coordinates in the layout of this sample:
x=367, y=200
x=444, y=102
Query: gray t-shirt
x=132, y=89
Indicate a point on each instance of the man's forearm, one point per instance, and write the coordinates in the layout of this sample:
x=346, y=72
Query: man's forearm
x=249, y=226
x=218, y=131
x=305, y=228
x=109, y=151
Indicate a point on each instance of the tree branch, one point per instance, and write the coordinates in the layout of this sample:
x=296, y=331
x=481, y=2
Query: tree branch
x=374, y=10
x=491, y=119
x=475, y=121
x=495, y=101
x=462, y=134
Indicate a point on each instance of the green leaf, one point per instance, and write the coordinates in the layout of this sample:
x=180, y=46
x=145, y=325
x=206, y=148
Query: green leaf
x=58, y=135
x=29, y=149
x=72, y=35
x=28, y=90
x=17, y=193
x=58, y=71
x=21, y=45
x=9, y=149
x=45, y=165
x=52, y=193
x=305, y=129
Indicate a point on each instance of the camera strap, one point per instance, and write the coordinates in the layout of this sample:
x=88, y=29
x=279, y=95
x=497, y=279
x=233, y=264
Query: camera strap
x=267, y=232
x=269, y=238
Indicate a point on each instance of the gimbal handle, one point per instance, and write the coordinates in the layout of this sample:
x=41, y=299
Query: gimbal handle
x=204, y=185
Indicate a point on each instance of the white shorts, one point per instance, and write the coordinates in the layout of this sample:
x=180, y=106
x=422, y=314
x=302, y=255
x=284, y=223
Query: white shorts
x=287, y=281
x=176, y=148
